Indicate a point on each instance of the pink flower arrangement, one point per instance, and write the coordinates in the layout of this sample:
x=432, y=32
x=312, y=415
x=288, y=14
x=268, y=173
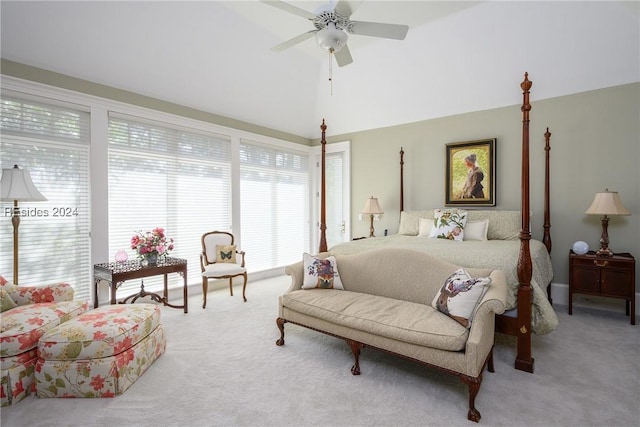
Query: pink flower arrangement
x=151, y=242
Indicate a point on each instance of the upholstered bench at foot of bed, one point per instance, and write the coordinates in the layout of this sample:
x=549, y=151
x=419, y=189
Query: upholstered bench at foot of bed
x=100, y=353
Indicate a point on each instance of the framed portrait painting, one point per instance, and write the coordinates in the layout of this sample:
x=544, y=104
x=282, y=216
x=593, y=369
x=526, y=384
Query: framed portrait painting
x=471, y=173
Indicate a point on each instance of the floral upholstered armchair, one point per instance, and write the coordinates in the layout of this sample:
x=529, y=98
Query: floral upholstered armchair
x=27, y=313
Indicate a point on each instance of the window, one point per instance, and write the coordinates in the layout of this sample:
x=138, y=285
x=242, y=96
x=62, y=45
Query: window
x=52, y=142
x=274, y=202
x=168, y=177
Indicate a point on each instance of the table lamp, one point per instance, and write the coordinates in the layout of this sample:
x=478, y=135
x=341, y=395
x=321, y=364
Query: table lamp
x=372, y=208
x=16, y=186
x=606, y=204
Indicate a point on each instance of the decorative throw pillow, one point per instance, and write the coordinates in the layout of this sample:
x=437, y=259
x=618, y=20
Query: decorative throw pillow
x=425, y=226
x=408, y=223
x=6, y=302
x=226, y=253
x=460, y=295
x=448, y=224
x=3, y=281
x=476, y=230
x=321, y=273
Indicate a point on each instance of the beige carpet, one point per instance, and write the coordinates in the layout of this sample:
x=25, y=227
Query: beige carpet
x=222, y=368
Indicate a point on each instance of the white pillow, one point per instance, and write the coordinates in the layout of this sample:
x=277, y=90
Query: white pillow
x=425, y=226
x=476, y=230
x=321, y=273
x=449, y=224
x=460, y=295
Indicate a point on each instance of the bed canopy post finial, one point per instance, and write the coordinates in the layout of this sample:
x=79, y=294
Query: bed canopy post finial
x=323, y=199
x=401, y=179
x=524, y=361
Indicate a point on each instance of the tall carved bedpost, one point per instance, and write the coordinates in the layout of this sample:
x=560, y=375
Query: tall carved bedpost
x=323, y=199
x=401, y=179
x=546, y=239
x=524, y=361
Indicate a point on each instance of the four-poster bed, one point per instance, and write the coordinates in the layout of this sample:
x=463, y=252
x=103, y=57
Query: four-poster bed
x=521, y=257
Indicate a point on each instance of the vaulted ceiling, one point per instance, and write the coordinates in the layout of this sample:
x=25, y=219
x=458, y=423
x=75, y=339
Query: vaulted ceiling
x=215, y=56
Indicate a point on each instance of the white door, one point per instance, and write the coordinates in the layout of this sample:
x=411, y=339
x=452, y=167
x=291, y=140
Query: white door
x=337, y=194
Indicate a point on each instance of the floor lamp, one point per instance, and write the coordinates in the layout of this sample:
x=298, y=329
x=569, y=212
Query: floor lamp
x=16, y=186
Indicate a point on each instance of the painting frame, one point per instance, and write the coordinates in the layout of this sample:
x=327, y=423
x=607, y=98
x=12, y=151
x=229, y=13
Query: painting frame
x=471, y=184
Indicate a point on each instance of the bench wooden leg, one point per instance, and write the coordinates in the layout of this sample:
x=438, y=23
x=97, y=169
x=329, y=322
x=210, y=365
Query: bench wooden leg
x=355, y=349
x=280, y=322
x=474, y=387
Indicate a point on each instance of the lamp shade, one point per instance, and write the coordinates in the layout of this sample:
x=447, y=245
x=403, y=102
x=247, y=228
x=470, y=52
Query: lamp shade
x=16, y=184
x=372, y=207
x=607, y=203
x=330, y=38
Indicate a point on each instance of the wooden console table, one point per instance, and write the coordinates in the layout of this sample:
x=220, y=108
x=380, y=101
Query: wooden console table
x=115, y=273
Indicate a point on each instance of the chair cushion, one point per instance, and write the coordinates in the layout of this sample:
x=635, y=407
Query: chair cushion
x=23, y=326
x=99, y=333
x=223, y=269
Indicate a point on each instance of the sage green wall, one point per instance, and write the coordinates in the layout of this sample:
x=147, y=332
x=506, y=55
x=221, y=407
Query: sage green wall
x=595, y=144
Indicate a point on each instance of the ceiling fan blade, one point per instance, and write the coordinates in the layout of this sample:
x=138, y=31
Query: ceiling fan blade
x=377, y=29
x=294, y=41
x=346, y=8
x=289, y=8
x=343, y=56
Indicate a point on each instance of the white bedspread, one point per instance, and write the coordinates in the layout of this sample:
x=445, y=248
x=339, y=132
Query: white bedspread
x=494, y=254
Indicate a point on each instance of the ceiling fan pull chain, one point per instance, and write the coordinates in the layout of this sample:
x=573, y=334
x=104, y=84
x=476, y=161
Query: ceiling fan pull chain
x=331, y=72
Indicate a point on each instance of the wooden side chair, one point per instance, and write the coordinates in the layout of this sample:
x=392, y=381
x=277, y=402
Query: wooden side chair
x=220, y=259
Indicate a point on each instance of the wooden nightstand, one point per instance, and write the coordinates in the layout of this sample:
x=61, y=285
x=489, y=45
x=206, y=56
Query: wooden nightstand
x=613, y=277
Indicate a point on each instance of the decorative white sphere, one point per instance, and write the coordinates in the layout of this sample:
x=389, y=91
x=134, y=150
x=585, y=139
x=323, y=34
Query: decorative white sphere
x=580, y=247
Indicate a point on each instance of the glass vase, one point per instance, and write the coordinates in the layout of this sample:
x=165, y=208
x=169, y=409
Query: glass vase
x=150, y=259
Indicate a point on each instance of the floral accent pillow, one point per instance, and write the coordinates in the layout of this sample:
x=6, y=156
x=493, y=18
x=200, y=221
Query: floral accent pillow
x=226, y=253
x=321, y=273
x=449, y=224
x=6, y=302
x=460, y=295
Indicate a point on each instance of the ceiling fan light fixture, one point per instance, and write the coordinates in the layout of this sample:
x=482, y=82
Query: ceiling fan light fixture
x=331, y=38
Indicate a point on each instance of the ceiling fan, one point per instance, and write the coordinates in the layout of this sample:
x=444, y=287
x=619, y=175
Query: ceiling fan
x=333, y=24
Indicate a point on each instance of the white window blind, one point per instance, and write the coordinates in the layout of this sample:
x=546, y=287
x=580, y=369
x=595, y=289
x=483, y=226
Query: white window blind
x=162, y=176
x=274, y=191
x=52, y=142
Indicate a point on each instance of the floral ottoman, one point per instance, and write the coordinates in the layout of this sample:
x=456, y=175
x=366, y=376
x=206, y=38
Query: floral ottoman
x=30, y=311
x=100, y=353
